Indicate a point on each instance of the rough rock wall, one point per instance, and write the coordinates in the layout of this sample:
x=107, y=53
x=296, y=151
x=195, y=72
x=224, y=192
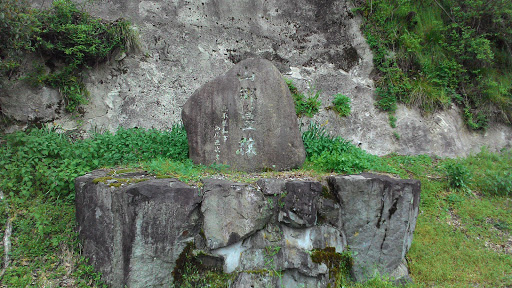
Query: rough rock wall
x=272, y=233
x=317, y=43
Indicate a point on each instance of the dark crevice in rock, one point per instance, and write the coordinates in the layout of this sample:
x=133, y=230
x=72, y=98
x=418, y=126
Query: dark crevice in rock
x=393, y=208
x=331, y=182
x=380, y=212
x=233, y=238
x=384, y=239
x=129, y=234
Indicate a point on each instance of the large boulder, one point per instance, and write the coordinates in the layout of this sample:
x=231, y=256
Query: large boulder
x=245, y=119
x=134, y=233
x=378, y=214
x=139, y=231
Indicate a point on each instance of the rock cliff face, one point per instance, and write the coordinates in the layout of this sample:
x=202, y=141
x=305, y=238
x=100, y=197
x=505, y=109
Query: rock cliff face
x=316, y=43
x=135, y=228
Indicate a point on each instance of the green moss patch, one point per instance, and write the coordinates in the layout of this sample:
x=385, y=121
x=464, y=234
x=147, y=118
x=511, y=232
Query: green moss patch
x=339, y=264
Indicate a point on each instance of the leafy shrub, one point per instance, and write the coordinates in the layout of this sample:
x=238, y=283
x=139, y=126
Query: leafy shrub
x=430, y=53
x=336, y=154
x=491, y=172
x=66, y=37
x=341, y=104
x=458, y=175
x=43, y=162
x=498, y=183
x=309, y=106
x=17, y=23
x=478, y=122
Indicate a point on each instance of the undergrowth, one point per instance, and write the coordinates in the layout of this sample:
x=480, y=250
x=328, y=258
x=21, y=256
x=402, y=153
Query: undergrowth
x=42, y=162
x=64, y=40
x=433, y=53
x=461, y=237
x=334, y=154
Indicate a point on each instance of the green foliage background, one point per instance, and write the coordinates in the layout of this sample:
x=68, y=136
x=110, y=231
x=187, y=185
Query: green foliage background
x=436, y=52
x=41, y=162
x=66, y=40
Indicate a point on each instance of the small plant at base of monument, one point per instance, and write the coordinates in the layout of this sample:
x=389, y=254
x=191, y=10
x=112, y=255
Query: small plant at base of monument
x=341, y=105
x=309, y=106
x=334, y=154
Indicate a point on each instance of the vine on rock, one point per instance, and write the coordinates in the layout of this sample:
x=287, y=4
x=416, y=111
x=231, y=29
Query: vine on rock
x=65, y=39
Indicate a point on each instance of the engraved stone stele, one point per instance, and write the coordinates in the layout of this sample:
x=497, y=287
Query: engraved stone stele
x=245, y=119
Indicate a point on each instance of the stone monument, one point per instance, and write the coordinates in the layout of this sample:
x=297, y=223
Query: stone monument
x=245, y=119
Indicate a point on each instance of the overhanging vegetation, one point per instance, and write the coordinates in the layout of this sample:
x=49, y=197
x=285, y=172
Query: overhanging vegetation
x=432, y=53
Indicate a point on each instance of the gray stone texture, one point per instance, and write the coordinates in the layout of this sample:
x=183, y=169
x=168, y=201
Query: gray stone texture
x=24, y=101
x=299, y=206
x=255, y=280
x=271, y=186
x=379, y=217
x=232, y=212
x=245, y=119
x=134, y=234
x=28, y=104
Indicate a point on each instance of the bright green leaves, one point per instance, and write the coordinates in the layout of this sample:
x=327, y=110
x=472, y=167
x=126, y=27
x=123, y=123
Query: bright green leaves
x=304, y=106
x=43, y=162
x=430, y=54
x=65, y=37
x=334, y=154
x=341, y=104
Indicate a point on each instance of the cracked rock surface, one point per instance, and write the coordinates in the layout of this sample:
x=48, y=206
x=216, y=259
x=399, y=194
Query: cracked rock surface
x=379, y=217
x=134, y=227
x=232, y=212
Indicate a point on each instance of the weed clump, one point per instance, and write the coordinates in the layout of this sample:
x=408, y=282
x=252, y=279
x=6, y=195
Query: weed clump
x=339, y=264
x=341, y=104
x=309, y=106
x=458, y=175
x=66, y=38
x=190, y=272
